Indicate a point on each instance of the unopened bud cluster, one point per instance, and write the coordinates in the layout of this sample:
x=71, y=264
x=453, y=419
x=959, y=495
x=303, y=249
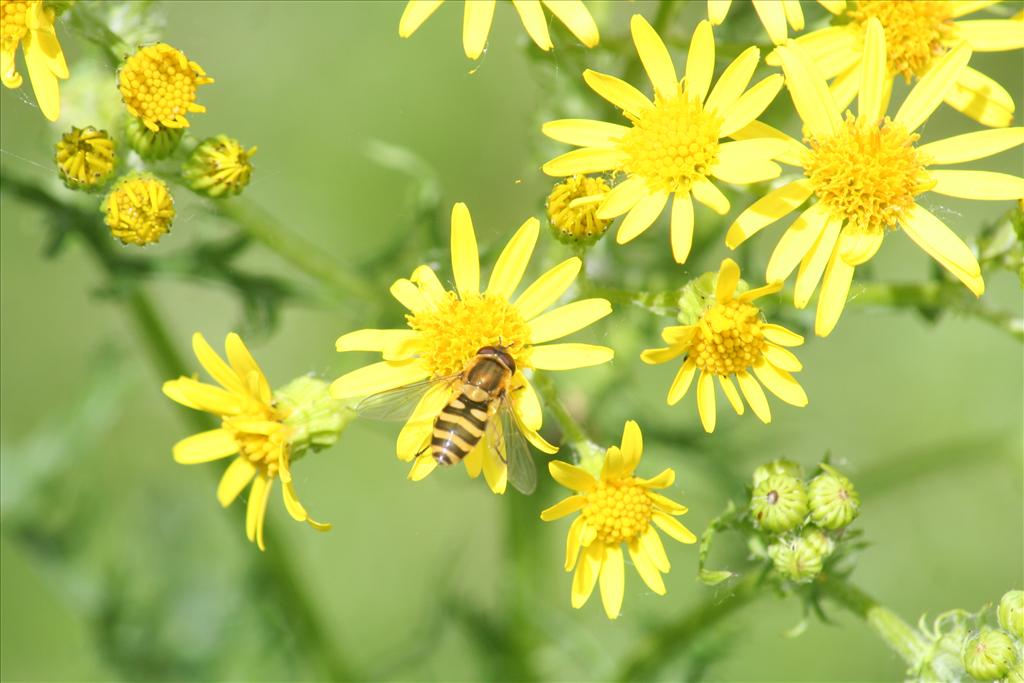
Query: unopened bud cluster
x=801, y=519
x=315, y=419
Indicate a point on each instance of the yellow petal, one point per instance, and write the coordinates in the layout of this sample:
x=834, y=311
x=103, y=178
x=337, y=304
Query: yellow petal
x=664, y=479
x=246, y=367
x=754, y=394
x=681, y=229
x=748, y=161
x=623, y=197
x=796, y=242
x=777, y=334
x=943, y=245
x=188, y=392
x=814, y=263
x=570, y=476
x=700, y=61
x=793, y=154
x=768, y=209
x=859, y=246
x=751, y=104
x=584, y=132
x=44, y=81
x=834, y=290
x=532, y=16
x=651, y=544
x=810, y=95
x=573, y=542
x=585, y=160
x=717, y=11
x=706, y=401
x=844, y=87
x=705, y=192
x=374, y=340
x=476, y=25
x=256, y=510
x=991, y=35
x=587, y=571
x=641, y=216
x=981, y=98
x=430, y=287
x=794, y=15
x=959, y=8
x=971, y=146
x=929, y=91
x=681, y=383
x=836, y=7
x=618, y=92
x=564, y=320
x=613, y=465
x=409, y=295
x=632, y=446
x=613, y=580
x=415, y=434
x=576, y=17
x=661, y=355
x=511, y=264
x=782, y=384
x=733, y=82
x=495, y=469
x=782, y=358
x=465, y=256
x=729, y=389
x=416, y=12
x=977, y=184
x=728, y=278
x=872, y=100
x=563, y=507
x=758, y=292
x=834, y=49
x=666, y=504
x=773, y=16
x=548, y=288
x=526, y=404
x=218, y=369
x=655, y=57
x=672, y=527
x=378, y=377
x=645, y=567
x=569, y=356
x=236, y=477
x=205, y=446
x=423, y=466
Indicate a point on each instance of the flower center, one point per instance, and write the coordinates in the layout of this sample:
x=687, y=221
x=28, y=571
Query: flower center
x=618, y=510
x=673, y=144
x=867, y=174
x=158, y=85
x=12, y=24
x=139, y=210
x=456, y=329
x=729, y=339
x=572, y=208
x=262, y=448
x=913, y=31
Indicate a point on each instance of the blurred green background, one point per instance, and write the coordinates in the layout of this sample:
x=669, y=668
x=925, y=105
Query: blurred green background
x=117, y=563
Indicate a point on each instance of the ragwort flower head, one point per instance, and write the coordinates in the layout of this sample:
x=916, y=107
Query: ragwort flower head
x=616, y=508
x=158, y=85
x=918, y=34
x=866, y=174
x=219, y=167
x=139, y=209
x=30, y=23
x=731, y=339
x=447, y=329
x=85, y=157
x=774, y=14
x=478, y=14
x=572, y=210
x=673, y=146
x=253, y=428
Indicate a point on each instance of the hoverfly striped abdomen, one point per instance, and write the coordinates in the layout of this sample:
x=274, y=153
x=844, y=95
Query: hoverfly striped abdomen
x=462, y=423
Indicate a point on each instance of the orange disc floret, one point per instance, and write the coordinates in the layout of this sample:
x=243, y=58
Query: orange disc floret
x=158, y=85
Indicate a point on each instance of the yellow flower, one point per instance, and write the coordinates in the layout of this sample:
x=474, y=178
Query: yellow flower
x=446, y=329
x=85, y=157
x=572, y=210
x=251, y=427
x=477, y=16
x=158, y=85
x=139, y=209
x=616, y=508
x=729, y=340
x=672, y=146
x=31, y=24
x=774, y=14
x=866, y=173
x=917, y=35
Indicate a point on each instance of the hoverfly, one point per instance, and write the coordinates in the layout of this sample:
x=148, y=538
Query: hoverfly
x=479, y=408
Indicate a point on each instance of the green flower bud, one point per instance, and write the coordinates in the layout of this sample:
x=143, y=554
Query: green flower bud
x=316, y=419
x=833, y=501
x=150, y=145
x=989, y=655
x=1016, y=674
x=796, y=559
x=1011, y=613
x=779, y=503
x=695, y=297
x=781, y=466
x=218, y=167
x=819, y=541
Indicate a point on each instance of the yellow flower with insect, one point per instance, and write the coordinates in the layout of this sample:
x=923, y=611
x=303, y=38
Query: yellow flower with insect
x=672, y=147
x=731, y=339
x=775, y=15
x=866, y=173
x=423, y=367
x=158, y=85
x=616, y=508
x=478, y=14
x=138, y=209
x=30, y=24
x=253, y=428
x=917, y=34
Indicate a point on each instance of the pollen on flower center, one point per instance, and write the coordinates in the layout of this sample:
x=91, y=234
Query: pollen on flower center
x=673, y=144
x=262, y=448
x=866, y=173
x=913, y=31
x=618, y=510
x=454, y=330
x=12, y=23
x=158, y=85
x=729, y=339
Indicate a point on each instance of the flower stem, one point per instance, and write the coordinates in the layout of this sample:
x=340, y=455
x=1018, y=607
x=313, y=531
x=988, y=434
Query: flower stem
x=583, y=447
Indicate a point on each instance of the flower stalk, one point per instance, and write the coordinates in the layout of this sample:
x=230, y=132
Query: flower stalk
x=584, y=450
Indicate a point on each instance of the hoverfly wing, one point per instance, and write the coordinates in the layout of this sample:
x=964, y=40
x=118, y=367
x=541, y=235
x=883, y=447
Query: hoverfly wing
x=512, y=446
x=399, y=403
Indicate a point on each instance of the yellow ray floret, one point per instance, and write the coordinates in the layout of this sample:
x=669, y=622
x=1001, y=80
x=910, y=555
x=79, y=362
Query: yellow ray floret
x=917, y=35
x=30, y=24
x=447, y=328
x=617, y=508
x=732, y=340
x=478, y=14
x=252, y=429
x=866, y=173
x=673, y=147
x=158, y=85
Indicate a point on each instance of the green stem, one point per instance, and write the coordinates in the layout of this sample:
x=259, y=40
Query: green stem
x=293, y=248
x=583, y=448
x=521, y=561
x=659, y=303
